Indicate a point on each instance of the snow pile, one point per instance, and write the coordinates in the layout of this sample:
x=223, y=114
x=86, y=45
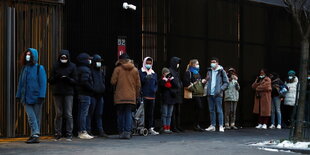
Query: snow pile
x=284, y=145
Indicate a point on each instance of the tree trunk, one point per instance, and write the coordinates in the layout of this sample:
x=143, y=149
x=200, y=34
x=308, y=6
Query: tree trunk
x=298, y=134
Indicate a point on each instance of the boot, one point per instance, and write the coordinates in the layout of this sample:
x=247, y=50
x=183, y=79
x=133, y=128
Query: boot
x=33, y=139
x=102, y=134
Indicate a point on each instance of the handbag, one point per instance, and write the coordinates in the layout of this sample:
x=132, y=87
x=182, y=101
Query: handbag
x=187, y=94
x=198, y=88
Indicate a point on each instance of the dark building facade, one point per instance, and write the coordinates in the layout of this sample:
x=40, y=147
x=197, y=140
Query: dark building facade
x=243, y=34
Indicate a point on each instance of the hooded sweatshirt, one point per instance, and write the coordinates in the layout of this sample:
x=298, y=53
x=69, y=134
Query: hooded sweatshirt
x=174, y=70
x=149, y=82
x=98, y=76
x=217, y=86
x=32, y=81
x=126, y=80
x=85, y=79
x=63, y=76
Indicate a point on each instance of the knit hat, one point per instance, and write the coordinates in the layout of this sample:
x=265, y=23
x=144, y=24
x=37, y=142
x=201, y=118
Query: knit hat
x=291, y=73
x=124, y=56
x=165, y=70
x=232, y=69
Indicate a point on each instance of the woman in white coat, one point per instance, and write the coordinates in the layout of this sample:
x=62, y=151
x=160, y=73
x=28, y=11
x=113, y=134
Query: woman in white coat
x=290, y=97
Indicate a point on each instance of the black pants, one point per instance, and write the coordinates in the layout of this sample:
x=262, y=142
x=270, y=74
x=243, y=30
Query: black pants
x=176, y=117
x=149, y=106
x=198, y=110
x=287, y=114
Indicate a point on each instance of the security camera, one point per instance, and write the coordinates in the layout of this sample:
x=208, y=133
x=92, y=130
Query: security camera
x=129, y=6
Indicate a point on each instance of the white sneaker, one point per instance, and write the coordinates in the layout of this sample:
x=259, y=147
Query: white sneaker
x=85, y=135
x=264, y=126
x=259, y=126
x=272, y=126
x=221, y=129
x=153, y=132
x=279, y=126
x=210, y=128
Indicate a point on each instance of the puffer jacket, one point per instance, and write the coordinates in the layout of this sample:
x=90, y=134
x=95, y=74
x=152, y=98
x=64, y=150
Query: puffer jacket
x=232, y=91
x=85, y=79
x=290, y=97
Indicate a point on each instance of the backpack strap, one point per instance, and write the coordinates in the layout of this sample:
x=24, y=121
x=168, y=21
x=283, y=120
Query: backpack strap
x=38, y=69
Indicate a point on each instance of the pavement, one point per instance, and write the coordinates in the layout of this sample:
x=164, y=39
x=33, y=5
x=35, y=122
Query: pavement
x=230, y=142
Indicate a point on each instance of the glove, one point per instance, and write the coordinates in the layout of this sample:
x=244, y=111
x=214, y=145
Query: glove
x=165, y=79
x=171, y=78
x=41, y=100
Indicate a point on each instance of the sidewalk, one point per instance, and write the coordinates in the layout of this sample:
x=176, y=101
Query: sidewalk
x=189, y=143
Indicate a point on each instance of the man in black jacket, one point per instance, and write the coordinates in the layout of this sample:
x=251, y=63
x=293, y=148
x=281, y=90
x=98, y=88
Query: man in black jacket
x=97, y=101
x=63, y=78
x=85, y=91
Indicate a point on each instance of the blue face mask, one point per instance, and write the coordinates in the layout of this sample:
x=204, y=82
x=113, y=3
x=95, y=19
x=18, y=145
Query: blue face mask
x=148, y=66
x=213, y=65
x=194, y=70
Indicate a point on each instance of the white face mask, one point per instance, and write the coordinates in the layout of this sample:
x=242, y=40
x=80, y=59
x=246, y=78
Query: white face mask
x=64, y=61
x=213, y=65
x=197, y=66
x=262, y=76
x=178, y=65
x=89, y=61
x=98, y=64
x=290, y=77
x=28, y=57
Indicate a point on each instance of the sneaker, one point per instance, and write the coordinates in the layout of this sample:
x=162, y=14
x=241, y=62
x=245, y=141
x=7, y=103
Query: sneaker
x=210, y=128
x=272, y=126
x=33, y=139
x=127, y=135
x=279, y=126
x=259, y=126
x=198, y=128
x=221, y=129
x=153, y=132
x=57, y=136
x=264, y=126
x=85, y=135
x=69, y=138
x=234, y=127
x=167, y=131
x=227, y=127
x=103, y=134
x=90, y=134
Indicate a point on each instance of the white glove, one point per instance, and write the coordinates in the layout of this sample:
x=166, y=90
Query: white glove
x=165, y=79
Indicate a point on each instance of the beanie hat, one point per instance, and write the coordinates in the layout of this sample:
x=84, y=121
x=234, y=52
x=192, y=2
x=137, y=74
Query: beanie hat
x=291, y=73
x=165, y=70
x=124, y=56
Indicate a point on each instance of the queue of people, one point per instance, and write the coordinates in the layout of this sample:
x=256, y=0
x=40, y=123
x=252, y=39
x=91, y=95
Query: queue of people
x=87, y=77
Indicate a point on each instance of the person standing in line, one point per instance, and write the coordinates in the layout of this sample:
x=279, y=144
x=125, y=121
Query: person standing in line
x=31, y=91
x=231, y=99
x=127, y=84
x=85, y=91
x=262, y=100
x=217, y=84
x=149, y=86
x=63, y=80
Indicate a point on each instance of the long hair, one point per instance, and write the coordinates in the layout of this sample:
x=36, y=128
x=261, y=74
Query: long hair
x=22, y=59
x=191, y=63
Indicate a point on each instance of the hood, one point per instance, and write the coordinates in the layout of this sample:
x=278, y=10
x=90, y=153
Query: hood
x=143, y=69
x=83, y=58
x=64, y=52
x=219, y=68
x=126, y=64
x=97, y=58
x=35, y=54
x=173, y=62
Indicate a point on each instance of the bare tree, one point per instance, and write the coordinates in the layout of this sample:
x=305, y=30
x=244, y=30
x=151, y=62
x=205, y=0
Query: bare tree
x=300, y=9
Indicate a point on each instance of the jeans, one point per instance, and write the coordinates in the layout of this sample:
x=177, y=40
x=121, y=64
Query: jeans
x=149, y=106
x=215, y=103
x=198, y=110
x=166, y=113
x=63, y=104
x=34, y=112
x=276, y=108
x=230, y=112
x=84, y=102
x=95, y=109
x=124, y=118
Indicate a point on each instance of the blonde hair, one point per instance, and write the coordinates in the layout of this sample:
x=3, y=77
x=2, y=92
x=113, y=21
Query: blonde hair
x=191, y=63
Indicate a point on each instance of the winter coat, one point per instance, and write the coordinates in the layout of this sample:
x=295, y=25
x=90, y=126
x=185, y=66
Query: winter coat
x=178, y=89
x=98, y=75
x=32, y=82
x=149, y=84
x=232, y=92
x=63, y=85
x=84, y=74
x=275, y=84
x=127, y=84
x=221, y=82
x=290, y=97
x=167, y=94
x=190, y=78
x=262, y=100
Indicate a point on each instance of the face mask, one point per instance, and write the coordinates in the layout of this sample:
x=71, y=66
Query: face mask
x=89, y=61
x=148, y=66
x=262, y=76
x=98, y=64
x=178, y=65
x=64, y=61
x=213, y=65
x=28, y=57
x=308, y=78
x=290, y=77
x=197, y=66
